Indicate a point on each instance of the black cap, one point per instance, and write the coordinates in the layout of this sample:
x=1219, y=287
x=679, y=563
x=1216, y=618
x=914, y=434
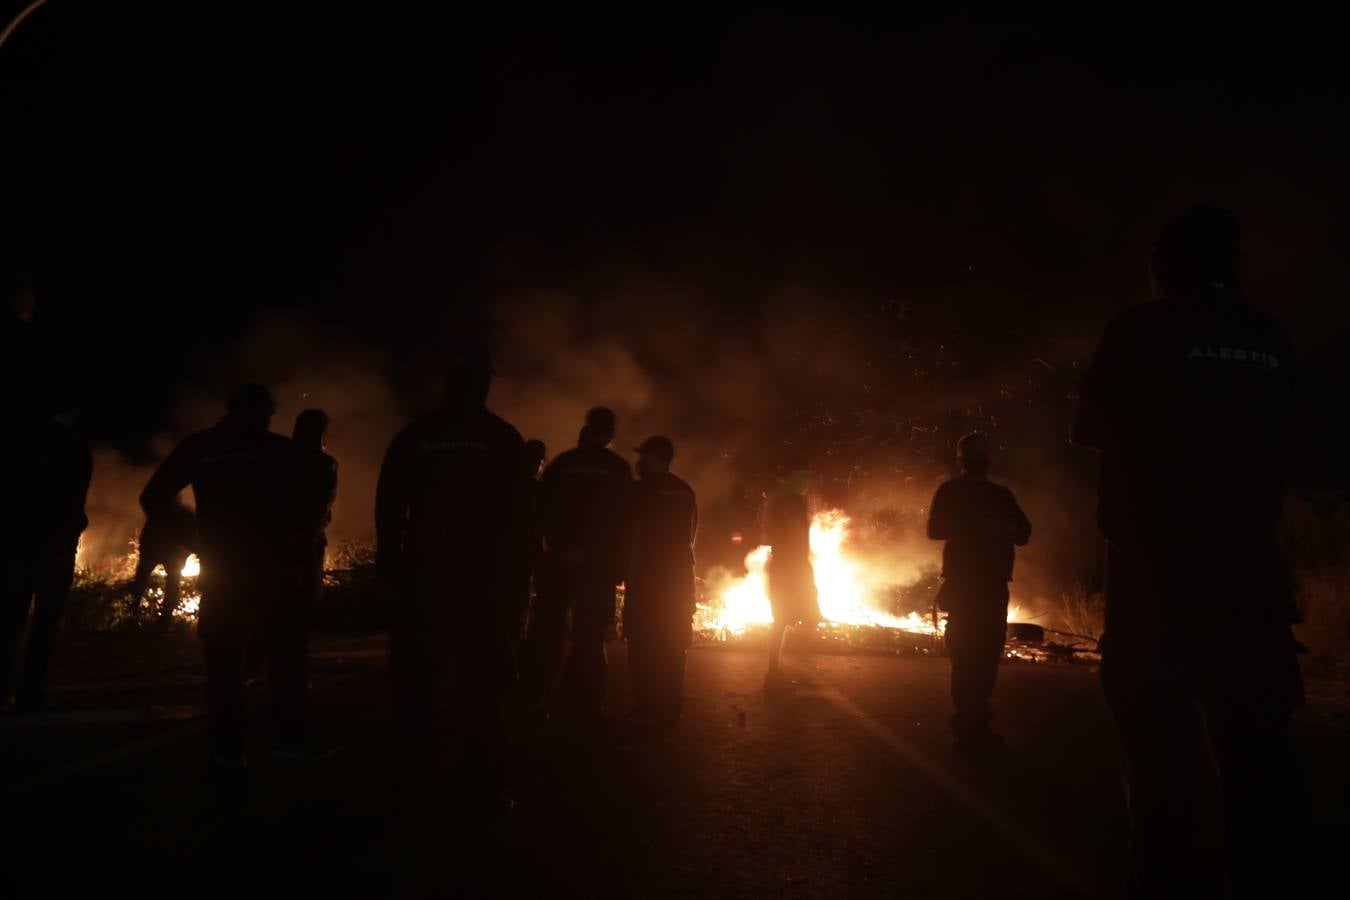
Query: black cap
x=658, y=446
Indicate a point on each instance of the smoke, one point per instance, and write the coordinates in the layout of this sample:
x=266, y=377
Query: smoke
x=874, y=392
x=306, y=365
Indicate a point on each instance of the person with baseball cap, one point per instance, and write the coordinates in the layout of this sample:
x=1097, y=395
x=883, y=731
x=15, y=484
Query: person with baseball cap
x=659, y=601
x=980, y=521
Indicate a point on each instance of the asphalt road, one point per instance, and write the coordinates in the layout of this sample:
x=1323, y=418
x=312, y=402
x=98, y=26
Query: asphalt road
x=844, y=787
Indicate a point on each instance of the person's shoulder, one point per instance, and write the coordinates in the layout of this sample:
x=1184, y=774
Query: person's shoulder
x=565, y=458
x=503, y=430
x=198, y=441
x=616, y=462
x=683, y=485
x=945, y=486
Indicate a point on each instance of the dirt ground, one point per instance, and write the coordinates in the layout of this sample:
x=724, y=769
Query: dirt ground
x=846, y=786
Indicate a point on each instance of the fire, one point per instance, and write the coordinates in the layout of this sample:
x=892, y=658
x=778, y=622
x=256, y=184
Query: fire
x=193, y=567
x=852, y=587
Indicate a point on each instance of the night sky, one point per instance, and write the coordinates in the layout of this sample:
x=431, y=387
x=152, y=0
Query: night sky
x=173, y=170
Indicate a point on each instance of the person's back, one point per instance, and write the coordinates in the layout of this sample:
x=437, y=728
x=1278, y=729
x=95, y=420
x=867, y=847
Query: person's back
x=452, y=518
x=1191, y=398
x=243, y=478
x=981, y=522
x=240, y=478
x=787, y=528
x=453, y=497
x=1189, y=401
x=659, y=605
x=665, y=519
x=583, y=497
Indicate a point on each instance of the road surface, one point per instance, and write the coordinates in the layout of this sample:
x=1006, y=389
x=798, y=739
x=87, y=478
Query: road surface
x=845, y=787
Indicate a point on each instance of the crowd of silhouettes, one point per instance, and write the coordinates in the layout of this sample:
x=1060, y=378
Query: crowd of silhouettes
x=502, y=571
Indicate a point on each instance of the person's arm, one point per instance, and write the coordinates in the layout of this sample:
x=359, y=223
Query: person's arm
x=330, y=494
x=391, y=509
x=693, y=519
x=160, y=501
x=546, y=505
x=940, y=524
x=1019, y=524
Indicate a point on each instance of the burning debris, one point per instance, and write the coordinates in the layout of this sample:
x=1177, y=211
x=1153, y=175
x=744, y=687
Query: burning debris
x=858, y=600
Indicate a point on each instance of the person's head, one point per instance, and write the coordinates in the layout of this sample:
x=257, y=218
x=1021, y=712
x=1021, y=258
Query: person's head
x=599, y=428
x=1198, y=252
x=972, y=453
x=654, y=456
x=310, y=428
x=19, y=296
x=250, y=407
x=468, y=376
x=795, y=475
x=535, y=453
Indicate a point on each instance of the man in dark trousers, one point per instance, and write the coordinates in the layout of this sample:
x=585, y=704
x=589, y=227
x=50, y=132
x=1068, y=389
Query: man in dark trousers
x=584, y=517
x=243, y=478
x=287, y=637
x=51, y=482
x=981, y=522
x=658, y=607
x=791, y=579
x=158, y=546
x=1189, y=401
x=452, y=520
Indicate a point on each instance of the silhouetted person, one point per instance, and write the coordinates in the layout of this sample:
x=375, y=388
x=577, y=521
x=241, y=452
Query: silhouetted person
x=243, y=478
x=156, y=546
x=453, y=522
x=287, y=637
x=583, y=514
x=791, y=580
x=1188, y=400
x=981, y=522
x=659, y=598
x=39, y=565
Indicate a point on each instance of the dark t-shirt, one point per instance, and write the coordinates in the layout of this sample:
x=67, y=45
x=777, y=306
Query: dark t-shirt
x=980, y=522
x=244, y=483
x=583, y=508
x=453, y=502
x=787, y=529
x=1189, y=403
x=665, y=523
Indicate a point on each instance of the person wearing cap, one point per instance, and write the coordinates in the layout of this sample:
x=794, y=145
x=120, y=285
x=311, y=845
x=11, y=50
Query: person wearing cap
x=453, y=525
x=243, y=478
x=584, y=521
x=791, y=579
x=1190, y=399
x=981, y=522
x=659, y=597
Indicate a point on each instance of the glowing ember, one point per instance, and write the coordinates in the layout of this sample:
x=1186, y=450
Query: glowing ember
x=852, y=588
